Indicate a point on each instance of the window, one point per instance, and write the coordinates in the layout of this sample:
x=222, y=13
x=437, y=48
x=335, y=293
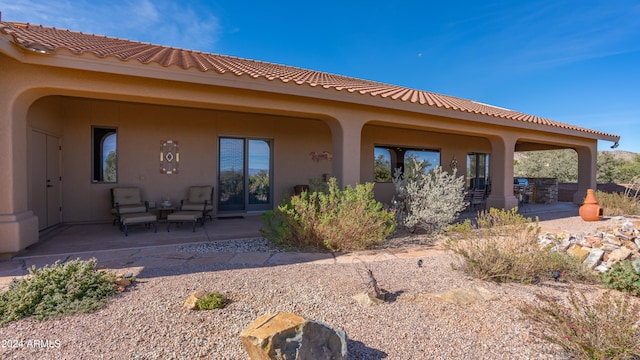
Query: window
x=478, y=171
x=389, y=158
x=104, y=155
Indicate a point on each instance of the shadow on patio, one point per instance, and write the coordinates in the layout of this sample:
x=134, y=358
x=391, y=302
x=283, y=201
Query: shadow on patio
x=66, y=239
x=210, y=248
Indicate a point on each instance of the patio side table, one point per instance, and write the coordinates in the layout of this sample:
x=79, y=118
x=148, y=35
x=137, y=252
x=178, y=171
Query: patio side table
x=163, y=212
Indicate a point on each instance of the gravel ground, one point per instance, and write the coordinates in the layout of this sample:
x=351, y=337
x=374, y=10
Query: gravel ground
x=148, y=321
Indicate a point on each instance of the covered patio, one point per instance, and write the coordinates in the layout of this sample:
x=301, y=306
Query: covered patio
x=94, y=238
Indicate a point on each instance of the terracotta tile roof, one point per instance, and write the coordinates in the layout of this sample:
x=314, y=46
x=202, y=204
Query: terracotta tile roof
x=48, y=39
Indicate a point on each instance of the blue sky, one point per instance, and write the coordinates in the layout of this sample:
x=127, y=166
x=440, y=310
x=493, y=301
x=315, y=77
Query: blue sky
x=574, y=61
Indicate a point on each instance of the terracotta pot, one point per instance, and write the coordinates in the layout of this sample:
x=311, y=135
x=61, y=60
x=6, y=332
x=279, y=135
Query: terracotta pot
x=590, y=211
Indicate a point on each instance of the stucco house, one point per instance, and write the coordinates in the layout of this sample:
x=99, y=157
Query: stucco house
x=81, y=114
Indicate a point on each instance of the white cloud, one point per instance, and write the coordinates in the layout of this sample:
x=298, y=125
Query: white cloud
x=163, y=22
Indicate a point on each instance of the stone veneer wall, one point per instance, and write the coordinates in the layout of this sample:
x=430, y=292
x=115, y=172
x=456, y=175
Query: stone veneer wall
x=546, y=190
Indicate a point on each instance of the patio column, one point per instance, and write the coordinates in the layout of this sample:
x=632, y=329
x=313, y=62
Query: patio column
x=502, y=151
x=18, y=225
x=346, y=133
x=587, y=171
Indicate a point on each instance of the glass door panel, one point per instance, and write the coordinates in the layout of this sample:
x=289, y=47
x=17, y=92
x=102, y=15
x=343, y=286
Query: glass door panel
x=231, y=175
x=259, y=168
x=244, y=180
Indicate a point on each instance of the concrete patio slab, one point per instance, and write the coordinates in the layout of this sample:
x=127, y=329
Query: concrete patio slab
x=211, y=258
x=250, y=258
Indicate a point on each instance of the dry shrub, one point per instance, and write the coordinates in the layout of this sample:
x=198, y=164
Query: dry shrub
x=502, y=246
x=604, y=328
x=618, y=204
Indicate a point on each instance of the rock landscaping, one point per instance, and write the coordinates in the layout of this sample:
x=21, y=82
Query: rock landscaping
x=600, y=249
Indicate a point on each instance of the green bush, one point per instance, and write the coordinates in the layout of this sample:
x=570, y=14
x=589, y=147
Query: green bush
x=336, y=220
x=211, y=301
x=604, y=328
x=623, y=277
x=427, y=201
x=62, y=288
x=502, y=246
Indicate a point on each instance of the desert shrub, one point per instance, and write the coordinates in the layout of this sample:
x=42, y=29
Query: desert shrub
x=211, y=301
x=337, y=220
x=603, y=328
x=427, y=201
x=62, y=288
x=502, y=246
x=618, y=204
x=623, y=277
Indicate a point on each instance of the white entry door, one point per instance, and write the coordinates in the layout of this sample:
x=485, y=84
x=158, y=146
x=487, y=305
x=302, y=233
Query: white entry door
x=46, y=179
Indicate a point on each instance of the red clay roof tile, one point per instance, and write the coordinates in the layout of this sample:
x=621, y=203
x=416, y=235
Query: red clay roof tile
x=126, y=50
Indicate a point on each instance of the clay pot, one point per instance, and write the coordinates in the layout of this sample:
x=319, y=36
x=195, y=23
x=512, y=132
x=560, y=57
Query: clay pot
x=590, y=211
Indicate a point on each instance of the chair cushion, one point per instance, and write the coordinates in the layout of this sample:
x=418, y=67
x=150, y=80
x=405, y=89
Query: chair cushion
x=184, y=216
x=127, y=196
x=130, y=209
x=138, y=218
x=198, y=194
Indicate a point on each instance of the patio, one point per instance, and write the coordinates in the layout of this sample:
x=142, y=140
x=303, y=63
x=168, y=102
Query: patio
x=65, y=239
x=88, y=238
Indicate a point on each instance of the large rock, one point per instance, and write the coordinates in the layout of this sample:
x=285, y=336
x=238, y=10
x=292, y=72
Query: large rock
x=287, y=336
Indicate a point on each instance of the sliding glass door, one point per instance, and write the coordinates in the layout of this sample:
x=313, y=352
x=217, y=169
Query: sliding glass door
x=245, y=179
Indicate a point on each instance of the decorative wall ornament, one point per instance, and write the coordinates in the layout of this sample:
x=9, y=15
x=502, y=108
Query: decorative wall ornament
x=317, y=156
x=454, y=164
x=169, y=157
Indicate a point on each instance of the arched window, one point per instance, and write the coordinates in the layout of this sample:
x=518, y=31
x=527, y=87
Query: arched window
x=105, y=155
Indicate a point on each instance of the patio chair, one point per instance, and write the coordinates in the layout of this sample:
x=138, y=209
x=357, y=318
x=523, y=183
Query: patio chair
x=200, y=198
x=478, y=199
x=127, y=200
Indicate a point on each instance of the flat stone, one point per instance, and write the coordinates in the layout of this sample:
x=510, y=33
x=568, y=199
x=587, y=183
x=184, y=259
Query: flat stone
x=593, y=258
x=610, y=247
x=564, y=245
x=464, y=296
x=367, y=299
x=601, y=268
x=578, y=251
x=619, y=255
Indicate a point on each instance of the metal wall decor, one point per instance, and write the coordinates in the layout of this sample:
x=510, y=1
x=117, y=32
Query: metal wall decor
x=169, y=157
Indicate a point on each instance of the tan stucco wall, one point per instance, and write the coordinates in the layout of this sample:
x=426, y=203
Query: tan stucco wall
x=64, y=95
x=141, y=128
x=450, y=146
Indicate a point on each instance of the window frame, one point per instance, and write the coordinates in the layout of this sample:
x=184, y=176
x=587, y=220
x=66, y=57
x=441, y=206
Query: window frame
x=99, y=134
x=397, y=157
